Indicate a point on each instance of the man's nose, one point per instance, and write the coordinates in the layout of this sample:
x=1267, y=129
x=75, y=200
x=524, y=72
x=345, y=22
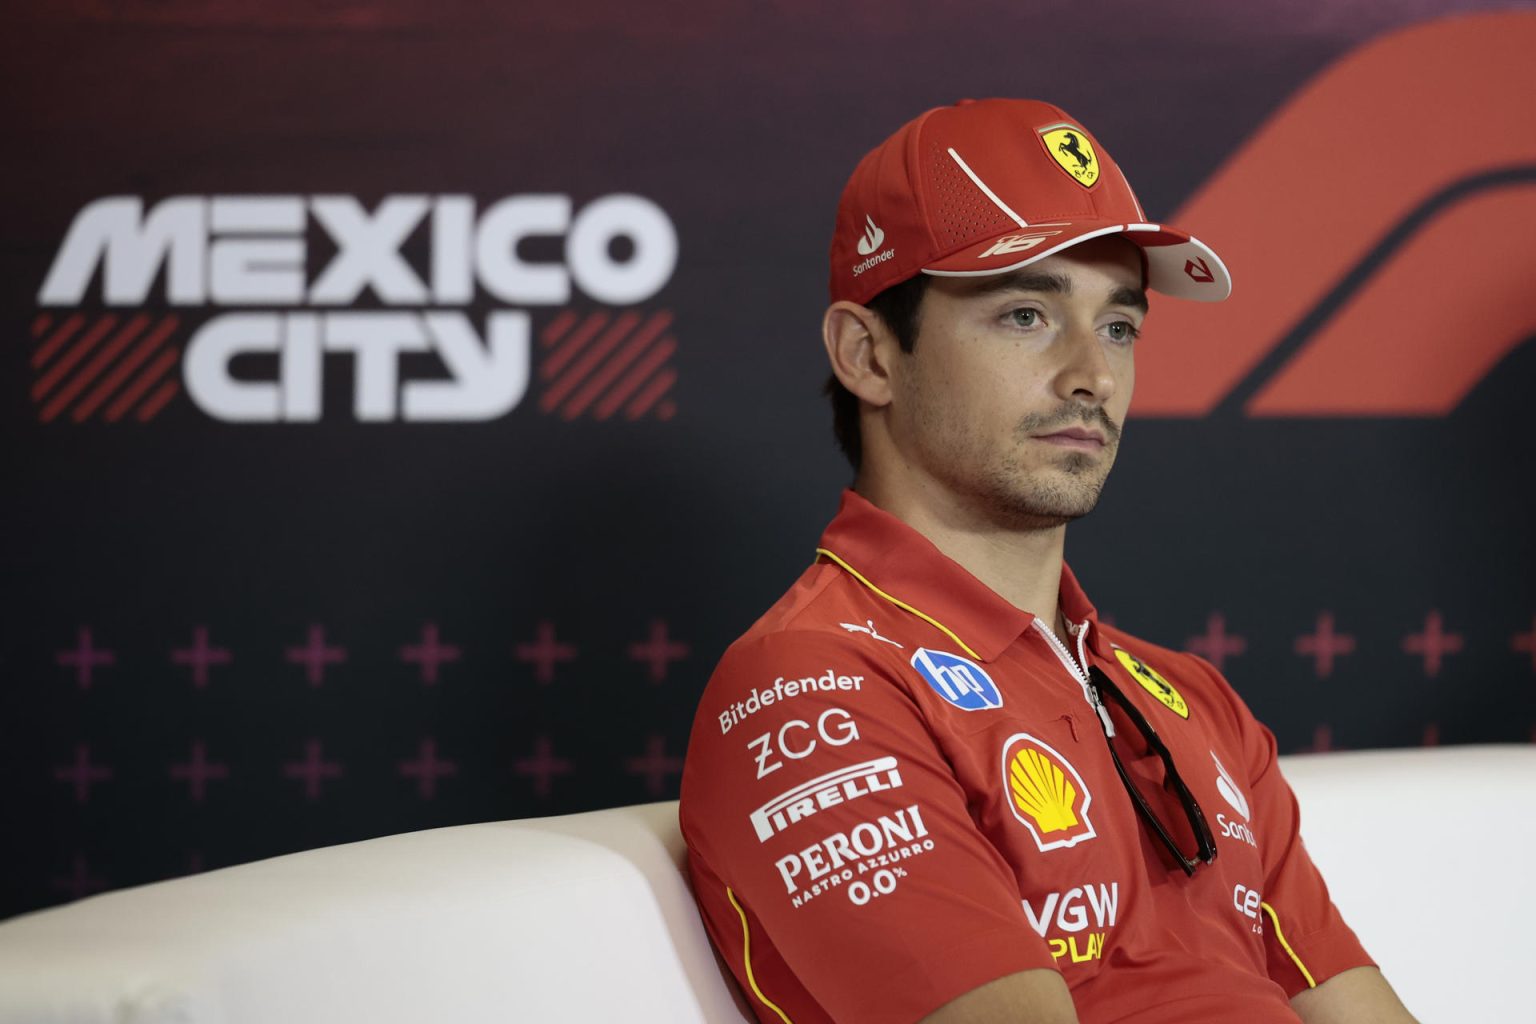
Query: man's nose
x=1084, y=373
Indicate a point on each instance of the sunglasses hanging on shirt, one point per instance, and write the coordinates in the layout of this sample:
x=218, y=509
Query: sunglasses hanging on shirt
x=1107, y=693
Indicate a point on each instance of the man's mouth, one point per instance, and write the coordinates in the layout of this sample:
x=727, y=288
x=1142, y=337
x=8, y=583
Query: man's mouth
x=1080, y=438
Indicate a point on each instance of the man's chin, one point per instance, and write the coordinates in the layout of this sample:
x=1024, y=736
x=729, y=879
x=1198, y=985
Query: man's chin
x=1040, y=508
x=1079, y=464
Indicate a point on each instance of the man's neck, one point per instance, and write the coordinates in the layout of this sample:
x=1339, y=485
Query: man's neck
x=1023, y=567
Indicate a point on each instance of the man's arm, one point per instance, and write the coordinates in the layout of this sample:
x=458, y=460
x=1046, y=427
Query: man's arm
x=1029, y=997
x=1356, y=996
x=1308, y=945
x=796, y=810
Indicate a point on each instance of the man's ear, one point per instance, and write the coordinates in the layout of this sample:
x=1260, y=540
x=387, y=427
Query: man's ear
x=860, y=348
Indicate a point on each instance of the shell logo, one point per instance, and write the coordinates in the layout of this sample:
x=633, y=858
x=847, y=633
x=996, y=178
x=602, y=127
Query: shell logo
x=1046, y=793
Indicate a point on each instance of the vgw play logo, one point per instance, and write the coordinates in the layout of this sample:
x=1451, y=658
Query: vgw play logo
x=285, y=284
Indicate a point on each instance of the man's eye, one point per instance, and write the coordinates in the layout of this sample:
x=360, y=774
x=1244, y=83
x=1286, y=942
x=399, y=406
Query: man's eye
x=1122, y=330
x=1026, y=317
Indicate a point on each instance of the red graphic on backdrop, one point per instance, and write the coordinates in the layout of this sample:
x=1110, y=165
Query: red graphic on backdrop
x=427, y=769
x=597, y=365
x=197, y=771
x=200, y=656
x=429, y=654
x=1433, y=644
x=1526, y=642
x=1438, y=185
x=85, y=658
x=315, y=656
x=656, y=766
x=1323, y=645
x=83, y=773
x=1430, y=737
x=69, y=380
x=79, y=882
x=658, y=651
x=544, y=653
x=542, y=766
x=1216, y=643
x=314, y=770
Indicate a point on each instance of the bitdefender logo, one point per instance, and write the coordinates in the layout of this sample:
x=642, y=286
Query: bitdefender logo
x=266, y=313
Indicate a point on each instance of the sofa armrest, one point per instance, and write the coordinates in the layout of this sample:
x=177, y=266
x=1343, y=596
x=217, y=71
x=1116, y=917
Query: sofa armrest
x=579, y=918
x=1427, y=853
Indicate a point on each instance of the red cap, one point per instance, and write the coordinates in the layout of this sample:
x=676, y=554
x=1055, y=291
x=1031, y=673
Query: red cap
x=988, y=186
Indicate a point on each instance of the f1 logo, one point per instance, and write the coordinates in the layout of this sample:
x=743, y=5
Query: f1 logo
x=1328, y=249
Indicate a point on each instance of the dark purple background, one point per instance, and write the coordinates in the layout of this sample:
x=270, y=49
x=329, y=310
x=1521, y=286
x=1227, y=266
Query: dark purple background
x=743, y=126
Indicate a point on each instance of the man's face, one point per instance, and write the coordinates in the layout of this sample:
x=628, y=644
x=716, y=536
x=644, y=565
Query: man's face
x=1013, y=397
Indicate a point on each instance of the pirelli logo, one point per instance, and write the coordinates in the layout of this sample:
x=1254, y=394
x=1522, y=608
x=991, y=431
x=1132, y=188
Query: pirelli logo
x=829, y=790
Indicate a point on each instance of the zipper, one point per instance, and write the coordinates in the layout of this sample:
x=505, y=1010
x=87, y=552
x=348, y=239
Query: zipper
x=1076, y=667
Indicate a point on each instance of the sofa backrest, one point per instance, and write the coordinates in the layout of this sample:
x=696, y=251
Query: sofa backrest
x=1428, y=853
x=587, y=917
x=579, y=918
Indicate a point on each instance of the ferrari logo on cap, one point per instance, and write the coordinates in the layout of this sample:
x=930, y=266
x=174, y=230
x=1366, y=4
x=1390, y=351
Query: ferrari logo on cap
x=1070, y=148
x=1153, y=682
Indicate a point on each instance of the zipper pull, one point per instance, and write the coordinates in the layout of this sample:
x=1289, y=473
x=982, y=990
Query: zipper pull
x=1098, y=705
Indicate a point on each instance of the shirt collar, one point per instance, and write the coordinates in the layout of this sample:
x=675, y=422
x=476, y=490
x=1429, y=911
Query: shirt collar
x=904, y=567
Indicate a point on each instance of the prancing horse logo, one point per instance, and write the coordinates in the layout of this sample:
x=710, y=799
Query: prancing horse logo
x=1073, y=152
x=1070, y=147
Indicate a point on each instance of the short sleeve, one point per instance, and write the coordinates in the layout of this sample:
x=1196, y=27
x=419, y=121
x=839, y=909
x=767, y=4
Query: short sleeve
x=831, y=849
x=1306, y=938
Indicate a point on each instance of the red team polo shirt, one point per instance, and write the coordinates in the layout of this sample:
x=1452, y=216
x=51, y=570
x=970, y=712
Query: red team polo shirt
x=897, y=790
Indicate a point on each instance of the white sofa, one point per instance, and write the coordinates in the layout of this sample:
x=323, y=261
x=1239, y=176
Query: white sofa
x=587, y=917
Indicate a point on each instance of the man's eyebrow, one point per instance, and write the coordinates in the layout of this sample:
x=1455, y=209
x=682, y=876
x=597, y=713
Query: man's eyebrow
x=1021, y=281
x=1133, y=297
x=1058, y=284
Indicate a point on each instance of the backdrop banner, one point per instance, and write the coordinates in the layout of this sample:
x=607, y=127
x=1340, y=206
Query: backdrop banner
x=407, y=402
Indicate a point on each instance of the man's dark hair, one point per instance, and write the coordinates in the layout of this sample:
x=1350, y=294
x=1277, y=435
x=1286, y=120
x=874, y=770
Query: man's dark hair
x=897, y=307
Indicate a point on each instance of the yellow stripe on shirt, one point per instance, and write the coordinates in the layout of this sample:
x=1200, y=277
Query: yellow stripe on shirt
x=901, y=604
x=746, y=957
x=1274, y=919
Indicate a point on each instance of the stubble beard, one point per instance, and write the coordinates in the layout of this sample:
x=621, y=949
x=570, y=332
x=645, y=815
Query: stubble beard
x=1045, y=498
x=1058, y=488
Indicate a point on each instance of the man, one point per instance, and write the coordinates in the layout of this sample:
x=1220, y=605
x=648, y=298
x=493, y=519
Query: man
x=929, y=784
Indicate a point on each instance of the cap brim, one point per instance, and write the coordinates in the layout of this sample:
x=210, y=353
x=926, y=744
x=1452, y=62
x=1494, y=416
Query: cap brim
x=1178, y=264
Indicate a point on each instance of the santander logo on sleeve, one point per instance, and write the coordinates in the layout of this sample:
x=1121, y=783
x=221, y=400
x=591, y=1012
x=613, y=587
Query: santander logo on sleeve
x=1227, y=787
